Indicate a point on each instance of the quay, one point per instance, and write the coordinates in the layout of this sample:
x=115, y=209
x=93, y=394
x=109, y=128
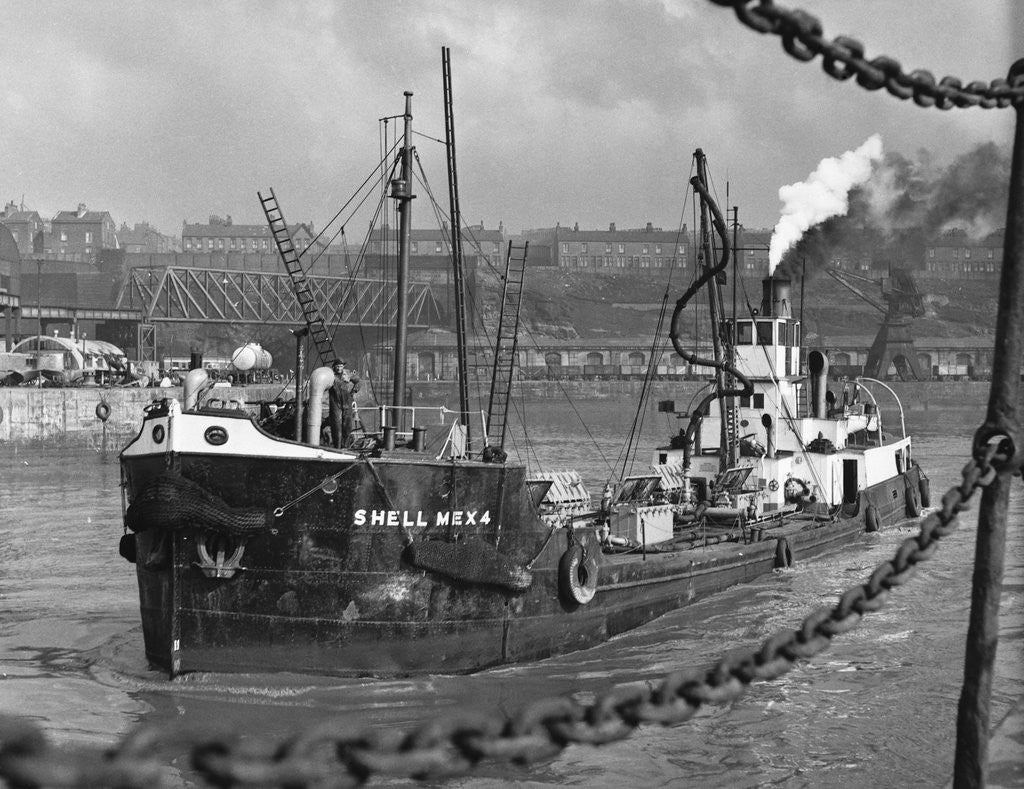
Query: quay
x=68, y=416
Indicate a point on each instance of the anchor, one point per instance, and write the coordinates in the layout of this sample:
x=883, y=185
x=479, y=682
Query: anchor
x=220, y=567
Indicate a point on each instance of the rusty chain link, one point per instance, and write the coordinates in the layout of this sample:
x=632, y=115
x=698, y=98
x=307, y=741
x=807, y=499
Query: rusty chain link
x=344, y=753
x=843, y=57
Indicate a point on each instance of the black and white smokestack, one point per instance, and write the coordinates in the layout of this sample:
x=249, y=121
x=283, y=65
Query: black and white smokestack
x=775, y=300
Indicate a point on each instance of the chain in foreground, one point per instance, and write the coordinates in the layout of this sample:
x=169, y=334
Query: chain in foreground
x=843, y=57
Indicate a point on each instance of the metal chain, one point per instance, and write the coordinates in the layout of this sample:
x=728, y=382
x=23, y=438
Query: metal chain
x=342, y=753
x=843, y=57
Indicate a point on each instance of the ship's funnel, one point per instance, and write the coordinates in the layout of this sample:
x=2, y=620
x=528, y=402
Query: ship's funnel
x=775, y=298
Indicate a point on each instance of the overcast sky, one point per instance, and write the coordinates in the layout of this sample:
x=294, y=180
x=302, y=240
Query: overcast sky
x=565, y=112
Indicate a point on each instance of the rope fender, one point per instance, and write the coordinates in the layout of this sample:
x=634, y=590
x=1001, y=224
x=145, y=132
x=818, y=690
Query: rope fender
x=169, y=502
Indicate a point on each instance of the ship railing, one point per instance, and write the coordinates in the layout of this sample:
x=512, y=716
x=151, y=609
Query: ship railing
x=899, y=405
x=408, y=417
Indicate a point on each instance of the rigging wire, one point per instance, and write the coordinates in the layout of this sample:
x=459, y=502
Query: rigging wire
x=628, y=453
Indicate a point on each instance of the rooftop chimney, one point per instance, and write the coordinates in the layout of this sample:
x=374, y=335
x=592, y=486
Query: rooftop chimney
x=775, y=298
x=650, y=227
x=611, y=227
x=81, y=210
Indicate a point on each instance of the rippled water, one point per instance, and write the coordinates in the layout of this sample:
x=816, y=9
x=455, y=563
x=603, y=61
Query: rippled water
x=876, y=709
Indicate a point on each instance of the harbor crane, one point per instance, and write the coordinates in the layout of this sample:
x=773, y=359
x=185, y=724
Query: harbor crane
x=900, y=303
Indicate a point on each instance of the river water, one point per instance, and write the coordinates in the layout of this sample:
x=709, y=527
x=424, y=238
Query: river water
x=878, y=708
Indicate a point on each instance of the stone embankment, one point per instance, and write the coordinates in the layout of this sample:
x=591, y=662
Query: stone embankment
x=69, y=417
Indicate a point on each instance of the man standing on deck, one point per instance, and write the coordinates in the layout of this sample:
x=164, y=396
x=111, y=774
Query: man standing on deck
x=341, y=403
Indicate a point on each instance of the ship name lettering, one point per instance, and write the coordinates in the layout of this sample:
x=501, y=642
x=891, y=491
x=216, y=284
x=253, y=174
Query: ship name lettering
x=463, y=518
x=409, y=518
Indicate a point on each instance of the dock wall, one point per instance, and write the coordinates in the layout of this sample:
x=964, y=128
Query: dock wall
x=67, y=416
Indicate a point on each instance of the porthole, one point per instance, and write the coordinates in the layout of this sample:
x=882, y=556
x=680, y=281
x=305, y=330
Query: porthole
x=158, y=434
x=216, y=435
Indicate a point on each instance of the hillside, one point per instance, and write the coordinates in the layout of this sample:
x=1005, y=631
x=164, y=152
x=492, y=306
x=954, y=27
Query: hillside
x=566, y=305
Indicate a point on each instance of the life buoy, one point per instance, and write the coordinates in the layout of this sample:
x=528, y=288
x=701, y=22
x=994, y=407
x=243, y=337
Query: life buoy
x=925, y=489
x=871, y=521
x=913, y=497
x=577, y=574
x=102, y=411
x=773, y=485
x=783, y=554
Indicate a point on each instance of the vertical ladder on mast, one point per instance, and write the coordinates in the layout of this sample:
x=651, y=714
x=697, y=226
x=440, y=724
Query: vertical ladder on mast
x=300, y=283
x=506, y=344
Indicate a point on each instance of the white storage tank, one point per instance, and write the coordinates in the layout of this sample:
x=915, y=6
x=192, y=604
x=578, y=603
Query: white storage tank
x=251, y=356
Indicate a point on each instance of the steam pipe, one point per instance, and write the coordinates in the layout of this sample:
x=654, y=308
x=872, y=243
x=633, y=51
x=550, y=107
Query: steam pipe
x=675, y=329
x=320, y=381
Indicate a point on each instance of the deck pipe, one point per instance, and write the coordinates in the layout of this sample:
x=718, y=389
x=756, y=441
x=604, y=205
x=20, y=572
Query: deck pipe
x=195, y=382
x=320, y=381
x=769, y=429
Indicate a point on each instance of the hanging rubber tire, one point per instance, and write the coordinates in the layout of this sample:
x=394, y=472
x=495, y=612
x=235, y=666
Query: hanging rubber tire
x=577, y=575
x=1, y=414
x=871, y=521
x=925, y=488
x=783, y=554
x=913, y=497
x=102, y=411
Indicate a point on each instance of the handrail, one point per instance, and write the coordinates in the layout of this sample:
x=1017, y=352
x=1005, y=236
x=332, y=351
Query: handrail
x=896, y=397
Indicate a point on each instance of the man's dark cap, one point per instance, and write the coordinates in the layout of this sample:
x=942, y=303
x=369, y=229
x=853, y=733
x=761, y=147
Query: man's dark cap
x=337, y=361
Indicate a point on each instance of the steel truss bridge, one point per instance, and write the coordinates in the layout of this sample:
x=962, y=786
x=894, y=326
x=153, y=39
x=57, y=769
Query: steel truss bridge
x=182, y=294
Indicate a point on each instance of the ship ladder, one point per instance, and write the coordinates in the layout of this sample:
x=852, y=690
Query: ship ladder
x=505, y=345
x=300, y=283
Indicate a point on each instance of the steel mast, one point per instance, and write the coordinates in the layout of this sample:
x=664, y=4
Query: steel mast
x=401, y=190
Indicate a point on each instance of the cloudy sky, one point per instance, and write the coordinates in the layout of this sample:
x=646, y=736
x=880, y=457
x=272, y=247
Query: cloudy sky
x=565, y=112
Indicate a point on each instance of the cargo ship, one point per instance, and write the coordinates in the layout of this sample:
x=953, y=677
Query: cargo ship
x=257, y=551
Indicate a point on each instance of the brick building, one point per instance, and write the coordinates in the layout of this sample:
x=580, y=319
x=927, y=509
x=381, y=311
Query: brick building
x=26, y=227
x=957, y=256
x=643, y=249
x=432, y=246
x=143, y=237
x=220, y=235
x=82, y=233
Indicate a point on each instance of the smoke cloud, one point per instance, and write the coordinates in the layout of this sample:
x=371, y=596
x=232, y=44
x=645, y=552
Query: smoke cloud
x=908, y=202
x=823, y=195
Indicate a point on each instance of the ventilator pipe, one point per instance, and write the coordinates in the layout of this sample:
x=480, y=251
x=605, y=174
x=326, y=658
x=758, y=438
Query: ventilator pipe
x=320, y=380
x=817, y=368
x=769, y=429
x=195, y=381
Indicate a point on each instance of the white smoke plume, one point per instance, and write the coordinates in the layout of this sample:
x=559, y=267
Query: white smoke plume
x=821, y=196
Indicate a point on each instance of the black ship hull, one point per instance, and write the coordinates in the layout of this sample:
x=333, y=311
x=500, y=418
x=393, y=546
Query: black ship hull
x=403, y=564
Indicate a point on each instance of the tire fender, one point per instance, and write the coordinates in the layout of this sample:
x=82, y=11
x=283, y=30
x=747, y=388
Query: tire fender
x=783, y=554
x=913, y=497
x=577, y=575
x=871, y=521
x=925, y=489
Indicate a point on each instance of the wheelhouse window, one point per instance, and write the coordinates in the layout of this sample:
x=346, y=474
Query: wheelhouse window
x=764, y=332
x=745, y=333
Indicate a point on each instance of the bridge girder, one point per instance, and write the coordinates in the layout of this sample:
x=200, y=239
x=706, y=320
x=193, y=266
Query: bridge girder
x=183, y=294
